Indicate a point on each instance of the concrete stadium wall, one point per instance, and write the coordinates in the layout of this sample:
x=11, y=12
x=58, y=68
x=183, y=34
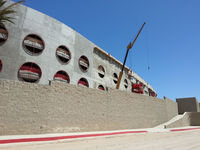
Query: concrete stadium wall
x=188, y=119
x=59, y=107
x=13, y=53
x=107, y=63
x=101, y=58
x=54, y=34
x=171, y=108
x=187, y=105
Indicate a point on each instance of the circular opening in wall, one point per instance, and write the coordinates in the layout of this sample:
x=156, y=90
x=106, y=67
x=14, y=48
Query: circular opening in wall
x=100, y=87
x=101, y=71
x=63, y=54
x=3, y=34
x=83, y=82
x=30, y=72
x=61, y=76
x=33, y=44
x=115, y=78
x=84, y=63
x=1, y=65
x=125, y=83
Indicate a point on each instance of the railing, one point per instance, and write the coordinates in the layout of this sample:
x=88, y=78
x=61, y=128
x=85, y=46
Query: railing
x=83, y=83
x=30, y=68
x=84, y=62
x=3, y=31
x=63, y=53
x=65, y=77
x=34, y=40
x=34, y=43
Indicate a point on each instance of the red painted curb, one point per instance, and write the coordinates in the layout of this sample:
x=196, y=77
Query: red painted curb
x=184, y=129
x=9, y=141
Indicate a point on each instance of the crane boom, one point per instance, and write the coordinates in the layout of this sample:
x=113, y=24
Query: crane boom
x=128, y=48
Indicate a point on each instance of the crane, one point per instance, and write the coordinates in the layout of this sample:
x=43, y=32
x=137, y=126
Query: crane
x=128, y=48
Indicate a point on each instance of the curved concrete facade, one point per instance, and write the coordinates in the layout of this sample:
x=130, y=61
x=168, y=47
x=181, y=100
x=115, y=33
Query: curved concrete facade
x=48, y=35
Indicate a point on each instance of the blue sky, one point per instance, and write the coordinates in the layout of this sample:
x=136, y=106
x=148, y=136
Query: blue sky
x=169, y=43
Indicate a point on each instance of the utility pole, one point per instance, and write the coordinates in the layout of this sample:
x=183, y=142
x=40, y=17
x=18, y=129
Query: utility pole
x=128, y=48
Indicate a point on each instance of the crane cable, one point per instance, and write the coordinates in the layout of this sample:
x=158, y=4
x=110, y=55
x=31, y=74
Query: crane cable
x=147, y=49
x=147, y=52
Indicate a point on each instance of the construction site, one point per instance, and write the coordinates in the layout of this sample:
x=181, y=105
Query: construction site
x=57, y=86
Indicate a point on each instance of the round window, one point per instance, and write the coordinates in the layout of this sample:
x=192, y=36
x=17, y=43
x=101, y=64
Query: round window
x=62, y=76
x=125, y=83
x=1, y=65
x=3, y=34
x=33, y=44
x=101, y=71
x=115, y=78
x=63, y=54
x=83, y=82
x=30, y=72
x=100, y=87
x=84, y=63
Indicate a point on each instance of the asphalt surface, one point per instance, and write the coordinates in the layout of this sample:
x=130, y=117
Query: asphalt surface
x=181, y=140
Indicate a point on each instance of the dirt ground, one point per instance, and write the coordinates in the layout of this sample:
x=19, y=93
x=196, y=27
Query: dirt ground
x=184, y=140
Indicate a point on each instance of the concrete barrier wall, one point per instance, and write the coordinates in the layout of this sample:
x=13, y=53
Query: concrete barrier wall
x=199, y=107
x=187, y=105
x=188, y=119
x=32, y=109
x=194, y=118
x=171, y=108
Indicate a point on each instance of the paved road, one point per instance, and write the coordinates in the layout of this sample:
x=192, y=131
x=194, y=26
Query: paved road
x=185, y=140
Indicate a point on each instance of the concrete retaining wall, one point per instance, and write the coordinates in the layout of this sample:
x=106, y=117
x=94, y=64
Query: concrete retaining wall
x=187, y=105
x=171, y=108
x=188, y=119
x=33, y=108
